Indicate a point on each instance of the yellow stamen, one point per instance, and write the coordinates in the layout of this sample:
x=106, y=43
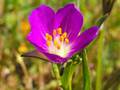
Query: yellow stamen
x=54, y=32
x=48, y=43
x=61, y=38
x=55, y=42
x=58, y=46
x=59, y=30
x=64, y=34
x=48, y=37
x=66, y=40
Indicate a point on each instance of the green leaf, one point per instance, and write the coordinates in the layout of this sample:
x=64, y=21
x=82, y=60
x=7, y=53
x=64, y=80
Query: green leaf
x=86, y=75
x=99, y=61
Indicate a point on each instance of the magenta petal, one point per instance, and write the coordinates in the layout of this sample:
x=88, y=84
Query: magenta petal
x=70, y=19
x=41, y=21
x=84, y=39
x=55, y=58
x=36, y=40
x=52, y=57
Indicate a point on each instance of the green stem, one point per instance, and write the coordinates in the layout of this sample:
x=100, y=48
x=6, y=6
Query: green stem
x=66, y=78
x=70, y=83
x=99, y=62
x=86, y=75
x=56, y=73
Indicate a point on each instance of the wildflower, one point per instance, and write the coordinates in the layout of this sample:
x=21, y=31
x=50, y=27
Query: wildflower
x=56, y=35
x=22, y=48
x=25, y=27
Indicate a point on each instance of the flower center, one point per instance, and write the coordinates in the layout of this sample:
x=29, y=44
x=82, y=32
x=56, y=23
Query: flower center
x=58, y=42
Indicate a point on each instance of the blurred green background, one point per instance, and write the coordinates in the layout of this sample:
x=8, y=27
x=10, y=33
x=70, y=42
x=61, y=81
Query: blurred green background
x=17, y=73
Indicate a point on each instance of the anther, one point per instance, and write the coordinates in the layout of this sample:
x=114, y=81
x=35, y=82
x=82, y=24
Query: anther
x=66, y=40
x=64, y=34
x=61, y=38
x=48, y=43
x=48, y=37
x=59, y=30
x=58, y=46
